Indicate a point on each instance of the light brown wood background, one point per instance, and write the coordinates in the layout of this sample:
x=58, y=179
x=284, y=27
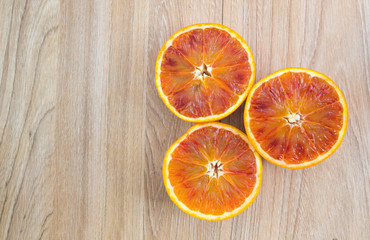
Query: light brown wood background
x=83, y=131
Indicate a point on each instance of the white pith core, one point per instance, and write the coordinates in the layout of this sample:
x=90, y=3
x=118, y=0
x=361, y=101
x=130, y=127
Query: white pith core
x=293, y=118
x=214, y=169
x=202, y=71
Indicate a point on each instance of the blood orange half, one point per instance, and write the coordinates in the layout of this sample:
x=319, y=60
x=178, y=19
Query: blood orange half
x=204, y=72
x=296, y=118
x=212, y=172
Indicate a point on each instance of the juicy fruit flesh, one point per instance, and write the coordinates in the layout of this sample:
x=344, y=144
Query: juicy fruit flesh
x=212, y=171
x=295, y=117
x=204, y=72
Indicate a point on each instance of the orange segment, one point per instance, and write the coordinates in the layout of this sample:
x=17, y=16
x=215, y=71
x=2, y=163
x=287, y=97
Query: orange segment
x=232, y=54
x=222, y=143
x=263, y=128
x=204, y=72
x=220, y=98
x=174, y=61
x=235, y=147
x=189, y=151
x=232, y=197
x=269, y=100
x=276, y=143
x=235, y=77
x=319, y=94
x=215, y=40
x=190, y=44
x=296, y=117
x=242, y=164
x=212, y=203
x=242, y=182
x=299, y=149
x=192, y=100
x=173, y=82
x=330, y=116
x=324, y=138
x=221, y=180
x=192, y=192
x=204, y=139
x=295, y=85
x=181, y=171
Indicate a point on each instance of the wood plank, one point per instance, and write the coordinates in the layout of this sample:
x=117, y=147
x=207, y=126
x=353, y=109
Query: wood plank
x=28, y=66
x=82, y=119
x=126, y=120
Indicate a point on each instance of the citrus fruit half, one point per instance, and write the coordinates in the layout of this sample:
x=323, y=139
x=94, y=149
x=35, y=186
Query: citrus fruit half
x=212, y=172
x=296, y=118
x=204, y=72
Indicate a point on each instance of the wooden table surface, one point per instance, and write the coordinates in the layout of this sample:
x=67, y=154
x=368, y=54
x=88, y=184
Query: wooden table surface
x=83, y=131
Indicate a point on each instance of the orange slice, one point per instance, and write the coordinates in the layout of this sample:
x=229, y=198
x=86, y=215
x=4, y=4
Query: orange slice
x=296, y=118
x=204, y=72
x=212, y=172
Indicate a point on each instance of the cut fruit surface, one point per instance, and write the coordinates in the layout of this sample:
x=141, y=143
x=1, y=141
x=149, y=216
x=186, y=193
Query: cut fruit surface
x=212, y=172
x=295, y=118
x=204, y=72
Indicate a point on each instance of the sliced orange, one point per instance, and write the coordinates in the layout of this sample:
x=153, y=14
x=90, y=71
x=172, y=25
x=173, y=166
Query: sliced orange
x=204, y=72
x=212, y=172
x=296, y=118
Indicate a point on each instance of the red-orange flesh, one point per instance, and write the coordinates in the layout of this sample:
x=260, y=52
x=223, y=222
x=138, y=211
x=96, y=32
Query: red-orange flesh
x=202, y=188
x=204, y=72
x=295, y=117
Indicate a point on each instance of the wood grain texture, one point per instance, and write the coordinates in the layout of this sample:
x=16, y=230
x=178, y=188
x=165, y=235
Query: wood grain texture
x=83, y=131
